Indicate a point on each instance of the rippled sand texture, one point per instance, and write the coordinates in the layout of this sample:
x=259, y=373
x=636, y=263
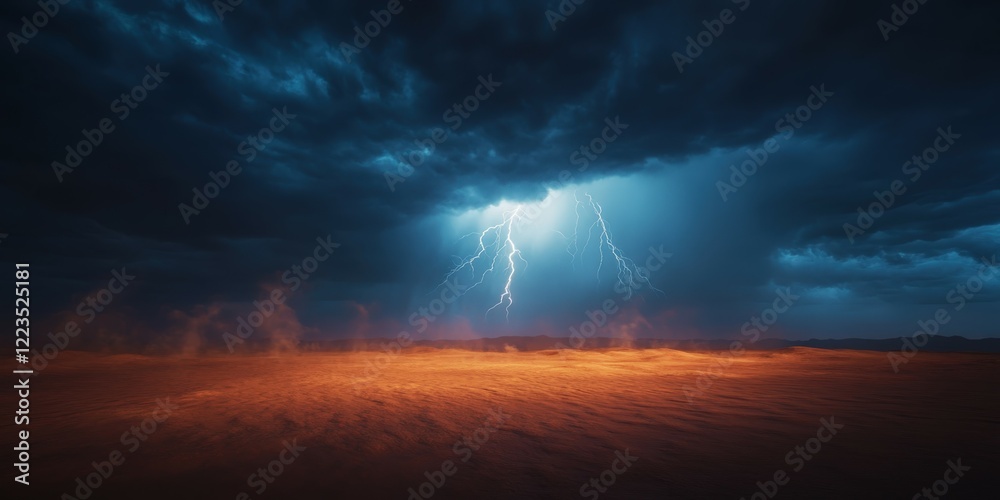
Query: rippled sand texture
x=568, y=415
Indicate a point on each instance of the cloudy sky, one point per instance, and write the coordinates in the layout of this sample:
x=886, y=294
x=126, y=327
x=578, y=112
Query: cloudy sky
x=344, y=129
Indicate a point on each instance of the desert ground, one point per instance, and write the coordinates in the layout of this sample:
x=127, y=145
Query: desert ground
x=538, y=425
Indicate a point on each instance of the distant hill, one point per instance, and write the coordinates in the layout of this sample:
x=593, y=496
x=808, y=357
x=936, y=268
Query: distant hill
x=544, y=342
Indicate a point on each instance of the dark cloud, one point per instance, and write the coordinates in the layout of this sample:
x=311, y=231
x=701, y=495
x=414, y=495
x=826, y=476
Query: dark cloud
x=324, y=173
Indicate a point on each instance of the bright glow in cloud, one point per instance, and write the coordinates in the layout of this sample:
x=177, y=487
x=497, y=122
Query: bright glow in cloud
x=500, y=230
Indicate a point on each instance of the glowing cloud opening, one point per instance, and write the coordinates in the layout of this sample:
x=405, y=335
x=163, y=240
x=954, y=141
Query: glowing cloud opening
x=500, y=241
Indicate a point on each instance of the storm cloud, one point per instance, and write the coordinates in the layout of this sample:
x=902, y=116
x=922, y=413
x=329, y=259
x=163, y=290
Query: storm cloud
x=392, y=143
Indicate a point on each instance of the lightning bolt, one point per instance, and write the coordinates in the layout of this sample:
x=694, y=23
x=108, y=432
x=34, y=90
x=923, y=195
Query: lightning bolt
x=628, y=271
x=494, y=242
x=510, y=266
x=573, y=248
x=497, y=244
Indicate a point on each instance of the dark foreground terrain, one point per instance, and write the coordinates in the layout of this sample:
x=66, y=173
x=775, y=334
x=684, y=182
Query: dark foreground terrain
x=537, y=424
